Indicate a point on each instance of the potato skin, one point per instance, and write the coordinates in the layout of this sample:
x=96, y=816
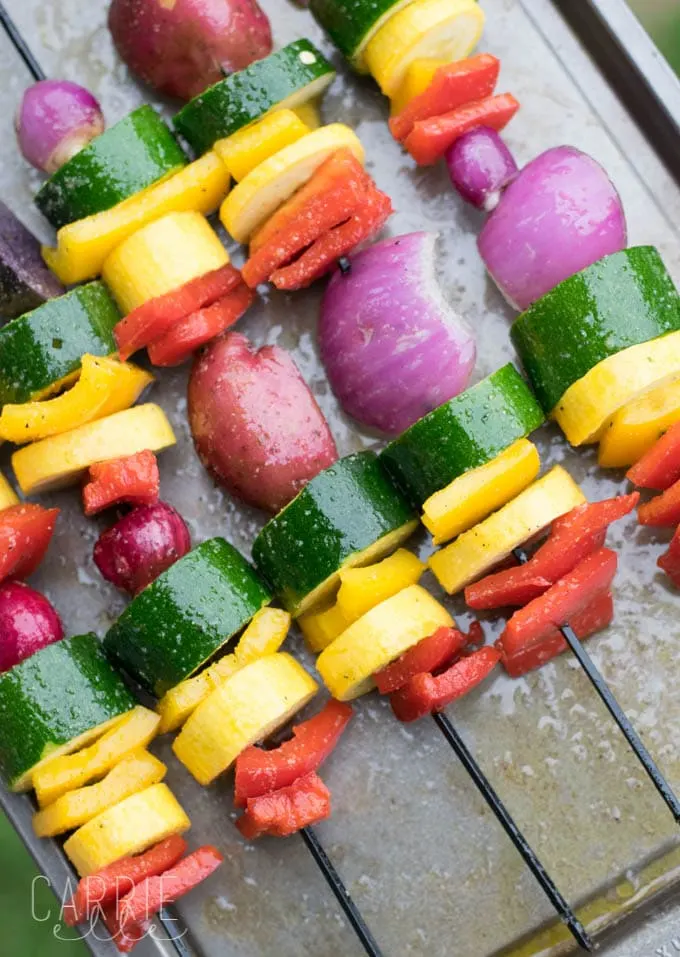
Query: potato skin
x=256, y=426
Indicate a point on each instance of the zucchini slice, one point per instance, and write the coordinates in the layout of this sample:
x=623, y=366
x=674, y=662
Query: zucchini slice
x=134, y=153
x=41, y=351
x=620, y=301
x=55, y=702
x=285, y=79
x=186, y=616
x=348, y=515
x=352, y=24
x=467, y=431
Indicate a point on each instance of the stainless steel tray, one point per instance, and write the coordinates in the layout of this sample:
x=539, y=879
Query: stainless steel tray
x=419, y=851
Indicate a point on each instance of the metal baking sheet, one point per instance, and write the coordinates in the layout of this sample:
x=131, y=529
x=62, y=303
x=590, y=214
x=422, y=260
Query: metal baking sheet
x=424, y=859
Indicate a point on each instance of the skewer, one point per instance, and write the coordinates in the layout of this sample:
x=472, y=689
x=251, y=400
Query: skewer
x=22, y=47
x=616, y=711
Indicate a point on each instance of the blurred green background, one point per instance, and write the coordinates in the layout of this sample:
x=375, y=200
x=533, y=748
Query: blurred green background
x=21, y=935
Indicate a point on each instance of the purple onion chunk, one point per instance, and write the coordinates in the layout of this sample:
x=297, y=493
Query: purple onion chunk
x=481, y=166
x=393, y=348
x=55, y=121
x=25, y=280
x=561, y=214
x=28, y=623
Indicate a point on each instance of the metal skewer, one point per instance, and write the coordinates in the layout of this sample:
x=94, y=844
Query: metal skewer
x=22, y=47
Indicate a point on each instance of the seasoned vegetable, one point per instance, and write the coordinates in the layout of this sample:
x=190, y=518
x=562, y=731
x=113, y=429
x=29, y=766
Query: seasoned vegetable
x=8, y=499
x=637, y=426
x=664, y=509
x=25, y=281
x=244, y=150
x=363, y=588
x=25, y=533
x=131, y=480
x=28, y=622
x=425, y=693
x=429, y=655
x=255, y=424
x=659, y=467
x=669, y=562
x=481, y=166
x=56, y=119
x=286, y=811
x=351, y=24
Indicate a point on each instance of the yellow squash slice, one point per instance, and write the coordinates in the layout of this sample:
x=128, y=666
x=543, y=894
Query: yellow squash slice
x=105, y=386
x=270, y=184
x=161, y=257
x=8, y=498
x=64, y=459
x=309, y=113
x=418, y=78
x=479, y=492
x=425, y=29
x=249, y=147
x=246, y=708
x=383, y=634
x=637, y=426
x=136, y=772
x=131, y=827
x=476, y=551
x=83, y=246
x=68, y=772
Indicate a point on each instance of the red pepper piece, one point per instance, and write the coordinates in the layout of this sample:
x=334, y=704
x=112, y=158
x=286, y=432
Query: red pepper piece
x=663, y=509
x=288, y=810
x=591, y=619
x=670, y=560
x=113, y=882
x=325, y=252
x=429, y=139
x=428, y=655
x=133, y=480
x=573, y=537
x=566, y=598
x=260, y=772
x=127, y=940
x=330, y=197
x=426, y=693
x=154, y=318
x=148, y=896
x=659, y=467
x=199, y=328
x=454, y=85
x=25, y=533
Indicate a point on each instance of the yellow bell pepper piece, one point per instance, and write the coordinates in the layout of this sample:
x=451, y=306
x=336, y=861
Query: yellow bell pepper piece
x=270, y=184
x=379, y=637
x=161, y=257
x=63, y=459
x=83, y=246
x=71, y=771
x=8, y=498
x=637, y=426
x=425, y=29
x=309, y=113
x=180, y=702
x=585, y=408
x=479, y=492
x=322, y=627
x=249, y=147
x=136, y=772
x=246, y=708
x=476, y=551
x=131, y=827
x=363, y=588
x=264, y=635
x=419, y=77
x=105, y=386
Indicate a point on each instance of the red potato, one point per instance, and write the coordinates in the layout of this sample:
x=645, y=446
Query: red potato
x=256, y=426
x=180, y=47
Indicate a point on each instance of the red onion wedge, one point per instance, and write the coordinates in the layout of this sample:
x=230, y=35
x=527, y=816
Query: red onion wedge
x=393, y=348
x=561, y=214
x=481, y=166
x=55, y=121
x=28, y=622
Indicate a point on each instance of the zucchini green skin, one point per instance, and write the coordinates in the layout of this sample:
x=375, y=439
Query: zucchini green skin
x=349, y=22
x=246, y=96
x=56, y=695
x=344, y=510
x=127, y=158
x=185, y=616
x=620, y=301
x=42, y=347
x=464, y=433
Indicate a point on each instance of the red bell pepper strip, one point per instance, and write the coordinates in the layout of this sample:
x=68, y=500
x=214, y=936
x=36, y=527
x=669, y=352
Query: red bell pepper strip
x=25, y=533
x=566, y=598
x=428, y=655
x=454, y=85
x=154, y=318
x=115, y=881
x=429, y=139
x=338, y=242
x=591, y=619
x=663, y=509
x=288, y=810
x=199, y=328
x=148, y=896
x=426, y=693
x=330, y=197
x=127, y=940
x=573, y=537
x=670, y=560
x=659, y=467
x=259, y=772
x=133, y=480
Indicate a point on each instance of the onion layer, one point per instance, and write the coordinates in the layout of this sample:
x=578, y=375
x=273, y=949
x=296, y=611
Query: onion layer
x=481, y=166
x=55, y=121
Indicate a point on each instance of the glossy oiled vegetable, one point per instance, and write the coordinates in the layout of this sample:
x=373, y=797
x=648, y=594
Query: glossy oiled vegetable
x=481, y=166
x=244, y=150
x=8, y=497
x=256, y=426
x=25, y=281
x=55, y=120
x=28, y=622
x=393, y=348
